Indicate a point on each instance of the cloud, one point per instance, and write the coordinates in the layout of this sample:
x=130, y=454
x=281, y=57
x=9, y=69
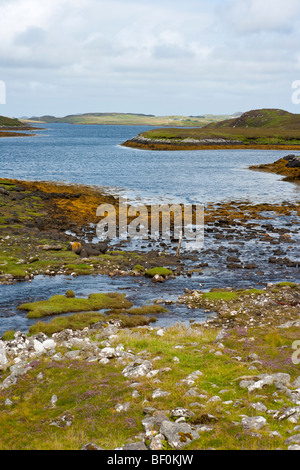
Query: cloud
x=253, y=16
x=149, y=53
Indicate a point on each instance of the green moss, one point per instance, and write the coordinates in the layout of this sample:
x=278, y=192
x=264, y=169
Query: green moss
x=59, y=304
x=160, y=271
x=139, y=268
x=147, y=310
x=78, y=321
x=287, y=284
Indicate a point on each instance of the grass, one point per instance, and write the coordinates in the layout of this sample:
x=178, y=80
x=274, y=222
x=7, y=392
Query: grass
x=160, y=271
x=90, y=392
x=78, y=321
x=59, y=304
x=273, y=128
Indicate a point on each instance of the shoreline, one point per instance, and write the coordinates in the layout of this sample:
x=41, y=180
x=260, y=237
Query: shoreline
x=183, y=147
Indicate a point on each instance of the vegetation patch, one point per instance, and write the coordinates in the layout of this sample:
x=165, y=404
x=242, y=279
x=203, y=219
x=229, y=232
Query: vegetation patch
x=59, y=304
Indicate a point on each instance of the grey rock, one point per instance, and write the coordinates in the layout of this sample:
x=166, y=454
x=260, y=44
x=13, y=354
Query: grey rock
x=253, y=423
x=153, y=423
x=286, y=413
x=138, y=368
x=135, y=446
x=123, y=407
x=178, y=435
x=293, y=440
x=3, y=358
x=182, y=413
x=158, y=393
x=157, y=442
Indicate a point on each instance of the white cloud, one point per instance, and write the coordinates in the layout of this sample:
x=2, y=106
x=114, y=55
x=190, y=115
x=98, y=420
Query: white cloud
x=252, y=16
x=139, y=49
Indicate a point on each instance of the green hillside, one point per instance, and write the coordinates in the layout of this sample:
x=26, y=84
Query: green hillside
x=131, y=119
x=9, y=122
x=262, y=118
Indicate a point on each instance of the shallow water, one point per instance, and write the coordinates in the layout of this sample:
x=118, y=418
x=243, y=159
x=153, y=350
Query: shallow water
x=93, y=155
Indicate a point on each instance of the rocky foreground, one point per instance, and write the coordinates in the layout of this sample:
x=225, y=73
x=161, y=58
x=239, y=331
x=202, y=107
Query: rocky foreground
x=218, y=385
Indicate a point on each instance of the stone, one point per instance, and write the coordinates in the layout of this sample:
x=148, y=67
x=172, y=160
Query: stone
x=38, y=347
x=123, y=407
x=286, y=413
x=138, y=368
x=49, y=344
x=253, y=423
x=157, y=442
x=293, y=440
x=3, y=358
x=153, y=423
x=182, y=413
x=158, y=393
x=91, y=446
x=178, y=435
x=53, y=400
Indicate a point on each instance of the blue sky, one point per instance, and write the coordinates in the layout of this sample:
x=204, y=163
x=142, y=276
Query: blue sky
x=155, y=57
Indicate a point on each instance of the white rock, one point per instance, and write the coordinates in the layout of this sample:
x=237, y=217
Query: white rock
x=38, y=347
x=49, y=344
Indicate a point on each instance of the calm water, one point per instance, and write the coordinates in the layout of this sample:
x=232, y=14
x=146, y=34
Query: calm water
x=92, y=155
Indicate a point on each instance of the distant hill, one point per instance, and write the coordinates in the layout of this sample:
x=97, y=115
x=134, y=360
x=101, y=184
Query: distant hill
x=262, y=118
x=132, y=119
x=10, y=122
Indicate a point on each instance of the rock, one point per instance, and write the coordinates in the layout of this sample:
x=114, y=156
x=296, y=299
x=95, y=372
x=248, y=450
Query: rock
x=259, y=407
x=181, y=413
x=123, y=407
x=157, y=442
x=3, y=358
x=153, y=423
x=160, y=332
x=293, y=440
x=49, y=344
x=178, y=435
x=157, y=278
x=158, y=393
x=253, y=423
x=53, y=400
x=108, y=352
x=138, y=368
x=38, y=347
x=286, y=413
x=135, y=446
x=296, y=383
x=91, y=446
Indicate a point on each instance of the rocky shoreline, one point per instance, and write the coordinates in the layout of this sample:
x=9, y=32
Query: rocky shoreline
x=221, y=143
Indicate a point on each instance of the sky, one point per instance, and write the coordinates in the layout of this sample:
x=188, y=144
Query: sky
x=162, y=57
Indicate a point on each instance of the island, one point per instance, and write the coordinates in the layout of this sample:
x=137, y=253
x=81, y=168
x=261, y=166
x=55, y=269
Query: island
x=266, y=129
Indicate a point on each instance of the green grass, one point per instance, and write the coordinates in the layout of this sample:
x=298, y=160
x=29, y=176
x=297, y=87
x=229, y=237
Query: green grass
x=59, y=304
x=89, y=392
x=160, y=271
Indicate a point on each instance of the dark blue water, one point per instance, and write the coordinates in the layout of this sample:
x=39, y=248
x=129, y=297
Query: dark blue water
x=93, y=155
